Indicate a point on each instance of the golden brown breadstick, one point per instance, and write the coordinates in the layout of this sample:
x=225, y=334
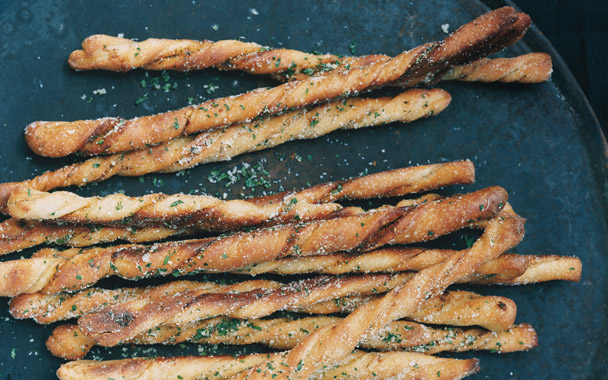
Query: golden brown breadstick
x=333, y=342
x=213, y=214
x=223, y=144
x=75, y=269
x=121, y=54
x=488, y=33
x=357, y=365
x=69, y=342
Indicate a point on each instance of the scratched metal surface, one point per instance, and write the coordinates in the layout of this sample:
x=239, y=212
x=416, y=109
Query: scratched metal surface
x=541, y=142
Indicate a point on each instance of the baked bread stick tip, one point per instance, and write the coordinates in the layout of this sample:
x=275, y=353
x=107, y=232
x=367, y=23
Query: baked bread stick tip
x=486, y=34
x=72, y=270
x=357, y=365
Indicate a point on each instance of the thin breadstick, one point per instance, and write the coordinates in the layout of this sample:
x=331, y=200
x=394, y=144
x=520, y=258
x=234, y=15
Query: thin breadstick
x=69, y=342
x=103, y=52
x=213, y=214
x=75, y=269
x=223, y=144
x=332, y=343
x=387, y=260
x=357, y=365
x=179, y=210
x=488, y=33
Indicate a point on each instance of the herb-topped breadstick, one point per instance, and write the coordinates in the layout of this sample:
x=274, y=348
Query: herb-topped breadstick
x=213, y=214
x=357, y=365
x=69, y=342
x=223, y=144
x=488, y=33
x=75, y=269
x=121, y=54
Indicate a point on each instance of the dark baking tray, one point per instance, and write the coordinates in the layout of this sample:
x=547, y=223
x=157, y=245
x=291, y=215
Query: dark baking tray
x=541, y=142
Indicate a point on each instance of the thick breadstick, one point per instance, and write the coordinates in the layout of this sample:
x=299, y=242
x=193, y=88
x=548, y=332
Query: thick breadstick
x=121, y=54
x=357, y=365
x=223, y=144
x=488, y=33
x=213, y=214
x=75, y=269
x=69, y=342
x=332, y=343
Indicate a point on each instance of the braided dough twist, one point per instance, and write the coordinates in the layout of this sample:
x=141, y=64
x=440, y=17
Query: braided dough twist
x=333, y=342
x=69, y=342
x=223, y=144
x=488, y=33
x=359, y=365
x=75, y=269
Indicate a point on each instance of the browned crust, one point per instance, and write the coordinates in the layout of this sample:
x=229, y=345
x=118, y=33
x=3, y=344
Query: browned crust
x=362, y=232
x=486, y=34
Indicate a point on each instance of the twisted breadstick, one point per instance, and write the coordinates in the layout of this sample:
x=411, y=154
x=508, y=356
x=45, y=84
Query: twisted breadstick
x=357, y=365
x=121, y=54
x=488, y=33
x=210, y=213
x=544, y=268
x=206, y=212
x=333, y=342
x=528, y=68
x=69, y=342
x=217, y=145
x=121, y=323
x=45, y=308
x=387, y=260
x=16, y=235
x=75, y=269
